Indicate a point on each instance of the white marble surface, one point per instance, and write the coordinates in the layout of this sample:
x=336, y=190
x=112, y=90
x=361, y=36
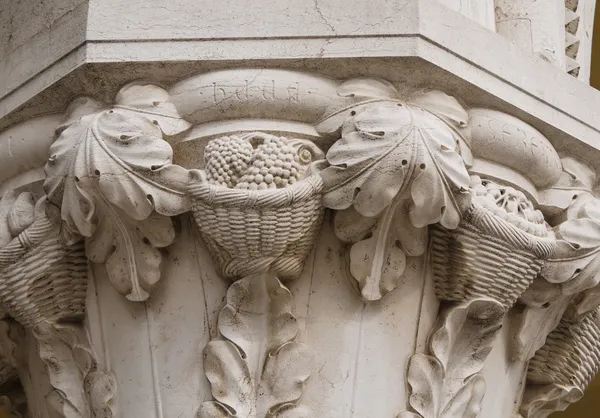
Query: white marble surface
x=399, y=325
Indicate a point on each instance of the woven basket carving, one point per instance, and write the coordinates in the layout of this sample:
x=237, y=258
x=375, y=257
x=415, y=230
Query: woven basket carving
x=43, y=281
x=486, y=257
x=251, y=231
x=571, y=355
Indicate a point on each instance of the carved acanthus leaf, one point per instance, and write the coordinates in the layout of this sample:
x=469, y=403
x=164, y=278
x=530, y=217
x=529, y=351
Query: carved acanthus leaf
x=447, y=383
x=400, y=163
x=82, y=390
x=258, y=369
x=110, y=172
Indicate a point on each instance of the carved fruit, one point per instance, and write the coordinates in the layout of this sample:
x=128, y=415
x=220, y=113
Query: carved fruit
x=509, y=204
x=21, y=214
x=257, y=161
x=226, y=159
x=275, y=163
x=270, y=219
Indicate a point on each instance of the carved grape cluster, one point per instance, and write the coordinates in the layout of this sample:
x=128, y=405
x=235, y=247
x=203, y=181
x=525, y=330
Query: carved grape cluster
x=226, y=159
x=273, y=162
x=509, y=204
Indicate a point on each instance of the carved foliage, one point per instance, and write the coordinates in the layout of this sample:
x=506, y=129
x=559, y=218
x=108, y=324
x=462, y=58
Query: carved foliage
x=567, y=358
x=571, y=274
x=110, y=172
x=401, y=164
x=257, y=369
x=82, y=390
x=564, y=366
x=447, y=383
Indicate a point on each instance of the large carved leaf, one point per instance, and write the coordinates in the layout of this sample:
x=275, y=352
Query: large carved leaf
x=109, y=171
x=533, y=324
x=259, y=370
x=383, y=147
x=81, y=389
x=395, y=170
x=446, y=383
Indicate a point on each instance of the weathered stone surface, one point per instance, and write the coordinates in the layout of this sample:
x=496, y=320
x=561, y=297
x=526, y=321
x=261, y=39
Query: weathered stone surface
x=311, y=210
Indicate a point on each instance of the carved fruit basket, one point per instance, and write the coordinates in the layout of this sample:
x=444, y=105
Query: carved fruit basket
x=489, y=255
x=571, y=355
x=248, y=231
x=43, y=281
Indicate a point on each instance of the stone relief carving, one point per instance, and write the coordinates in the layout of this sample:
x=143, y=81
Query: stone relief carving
x=563, y=303
x=406, y=177
x=110, y=173
x=257, y=369
x=479, y=269
x=43, y=284
x=265, y=215
x=258, y=207
x=396, y=169
x=561, y=370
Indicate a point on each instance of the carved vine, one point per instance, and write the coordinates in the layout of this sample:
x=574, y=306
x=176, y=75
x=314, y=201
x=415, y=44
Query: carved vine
x=396, y=169
x=257, y=369
x=110, y=173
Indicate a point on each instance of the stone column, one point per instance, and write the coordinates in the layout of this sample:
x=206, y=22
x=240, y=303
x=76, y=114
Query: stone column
x=347, y=225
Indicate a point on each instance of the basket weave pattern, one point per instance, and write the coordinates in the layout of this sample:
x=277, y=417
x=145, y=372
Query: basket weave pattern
x=485, y=257
x=252, y=231
x=571, y=355
x=41, y=279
